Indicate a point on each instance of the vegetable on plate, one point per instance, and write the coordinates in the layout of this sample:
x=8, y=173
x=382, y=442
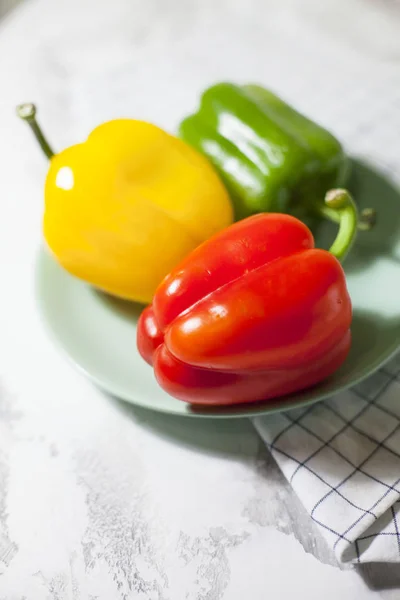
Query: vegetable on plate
x=270, y=157
x=254, y=313
x=125, y=206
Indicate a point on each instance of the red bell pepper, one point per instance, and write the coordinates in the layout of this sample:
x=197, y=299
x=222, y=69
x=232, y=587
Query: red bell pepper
x=254, y=313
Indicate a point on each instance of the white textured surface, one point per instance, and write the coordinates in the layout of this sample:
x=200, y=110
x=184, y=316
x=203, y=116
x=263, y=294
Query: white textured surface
x=99, y=500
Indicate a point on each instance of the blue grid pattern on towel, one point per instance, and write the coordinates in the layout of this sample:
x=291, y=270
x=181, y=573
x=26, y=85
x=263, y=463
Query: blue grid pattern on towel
x=342, y=457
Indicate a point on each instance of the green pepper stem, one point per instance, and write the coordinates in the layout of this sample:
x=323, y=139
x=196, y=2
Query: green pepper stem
x=27, y=112
x=340, y=208
x=367, y=219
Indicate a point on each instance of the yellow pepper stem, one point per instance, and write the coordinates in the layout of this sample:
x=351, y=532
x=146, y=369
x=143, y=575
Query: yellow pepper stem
x=27, y=112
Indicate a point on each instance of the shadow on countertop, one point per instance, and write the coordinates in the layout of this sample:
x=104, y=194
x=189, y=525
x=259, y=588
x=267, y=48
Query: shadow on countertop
x=380, y=576
x=218, y=437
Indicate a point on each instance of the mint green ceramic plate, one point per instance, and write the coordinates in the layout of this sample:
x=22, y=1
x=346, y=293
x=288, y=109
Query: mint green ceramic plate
x=98, y=333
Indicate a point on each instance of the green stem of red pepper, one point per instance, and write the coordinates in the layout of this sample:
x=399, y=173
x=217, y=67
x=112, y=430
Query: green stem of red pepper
x=340, y=208
x=27, y=112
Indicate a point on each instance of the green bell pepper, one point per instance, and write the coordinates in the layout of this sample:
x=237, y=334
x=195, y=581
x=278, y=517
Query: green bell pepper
x=270, y=157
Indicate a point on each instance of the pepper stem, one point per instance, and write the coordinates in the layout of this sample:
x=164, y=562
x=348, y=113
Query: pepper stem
x=340, y=207
x=367, y=219
x=27, y=112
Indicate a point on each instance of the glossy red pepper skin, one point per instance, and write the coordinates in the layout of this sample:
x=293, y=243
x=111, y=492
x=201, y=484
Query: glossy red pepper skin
x=149, y=335
x=256, y=312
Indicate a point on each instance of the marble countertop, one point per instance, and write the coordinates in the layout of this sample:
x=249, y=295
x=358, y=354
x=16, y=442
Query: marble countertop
x=98, y=499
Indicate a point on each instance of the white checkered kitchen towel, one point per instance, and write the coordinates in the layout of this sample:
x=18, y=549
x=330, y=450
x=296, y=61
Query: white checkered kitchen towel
x=342, y=458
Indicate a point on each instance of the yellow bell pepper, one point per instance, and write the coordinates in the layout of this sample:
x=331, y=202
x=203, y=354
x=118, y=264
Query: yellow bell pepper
x=125, y=206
